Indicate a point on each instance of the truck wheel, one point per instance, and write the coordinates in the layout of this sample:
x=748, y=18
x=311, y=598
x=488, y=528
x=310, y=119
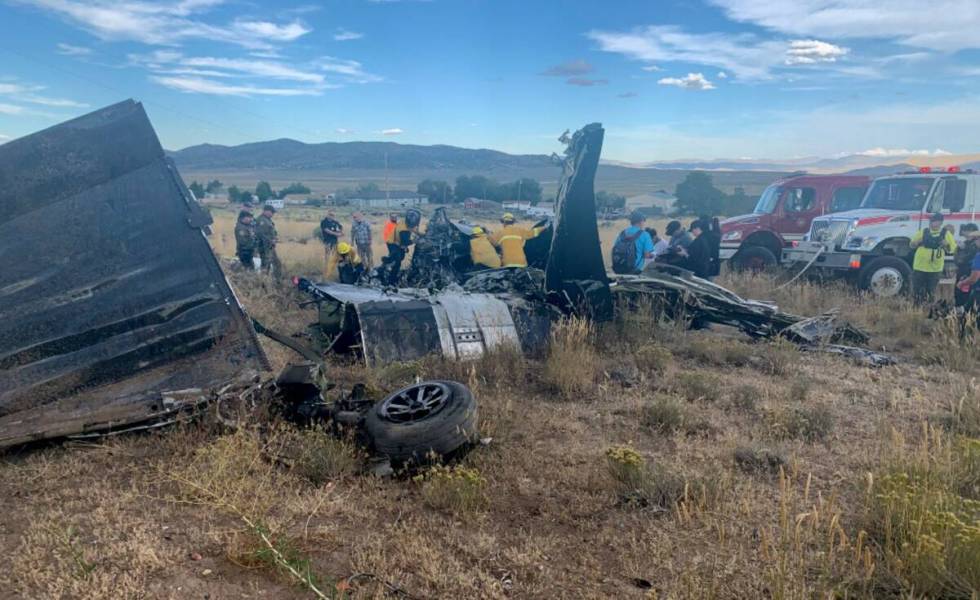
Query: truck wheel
x=432, y=417
x=885, y=276
x=755, y=259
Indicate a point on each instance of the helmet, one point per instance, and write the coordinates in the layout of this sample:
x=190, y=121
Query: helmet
x=477, y=231
x=343, y=248
x=508, y=218
x=413, y=217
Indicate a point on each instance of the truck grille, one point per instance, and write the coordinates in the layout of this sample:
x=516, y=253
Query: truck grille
x=833, y=231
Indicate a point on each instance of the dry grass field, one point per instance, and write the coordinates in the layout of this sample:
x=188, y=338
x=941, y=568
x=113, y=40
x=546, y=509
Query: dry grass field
x=634, y=460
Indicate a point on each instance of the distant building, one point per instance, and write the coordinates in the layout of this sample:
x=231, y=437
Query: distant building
x=393, y=199
x=480, y=204
x=514, y=206
x=541, y=210
x=276, y=203
x=660, y=201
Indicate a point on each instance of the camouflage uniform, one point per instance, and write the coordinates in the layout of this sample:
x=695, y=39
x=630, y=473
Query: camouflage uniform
x=265, y=231
x=245, y=243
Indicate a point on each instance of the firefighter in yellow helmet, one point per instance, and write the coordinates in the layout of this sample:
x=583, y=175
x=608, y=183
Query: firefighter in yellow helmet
x=401, y=236
x=349, y=265
x=482, y=252
x=510, y=241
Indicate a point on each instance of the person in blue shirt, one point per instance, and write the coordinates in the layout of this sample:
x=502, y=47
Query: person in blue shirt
x=641, y=238
x=969, y=286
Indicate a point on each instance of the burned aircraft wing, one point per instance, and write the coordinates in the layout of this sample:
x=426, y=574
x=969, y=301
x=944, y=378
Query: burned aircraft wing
x=386, y=327
x=113, y=309
x=575, y=265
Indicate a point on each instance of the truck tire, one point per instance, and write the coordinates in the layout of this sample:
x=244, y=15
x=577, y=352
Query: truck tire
x=755, y=259
x=886, y=276
x=428, y=418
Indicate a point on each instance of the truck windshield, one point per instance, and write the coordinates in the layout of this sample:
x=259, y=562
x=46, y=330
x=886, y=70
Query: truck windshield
x=767, y=201
x=899, y=193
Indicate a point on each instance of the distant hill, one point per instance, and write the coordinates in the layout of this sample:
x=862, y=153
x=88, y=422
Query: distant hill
x=287, y=154
x=867, y=164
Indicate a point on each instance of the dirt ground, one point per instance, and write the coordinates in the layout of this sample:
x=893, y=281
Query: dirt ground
x=641, y=461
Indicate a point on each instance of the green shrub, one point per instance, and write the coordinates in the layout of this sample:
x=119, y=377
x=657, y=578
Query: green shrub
x=696, y=386
x=653, y=359
x=456, y=489
x=807, y=422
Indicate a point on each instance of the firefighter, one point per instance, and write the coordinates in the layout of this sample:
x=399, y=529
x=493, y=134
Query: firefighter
x=931, y=246
x=402, y=236
x=245, y=239
x=510, y=241
x=349, y=265
x=482, y=252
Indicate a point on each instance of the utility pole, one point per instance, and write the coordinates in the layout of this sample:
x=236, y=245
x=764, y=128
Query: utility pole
x=387, y=197
x=520, y=182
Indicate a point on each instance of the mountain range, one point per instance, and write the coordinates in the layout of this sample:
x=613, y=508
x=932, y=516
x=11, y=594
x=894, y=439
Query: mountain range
x=288, y=154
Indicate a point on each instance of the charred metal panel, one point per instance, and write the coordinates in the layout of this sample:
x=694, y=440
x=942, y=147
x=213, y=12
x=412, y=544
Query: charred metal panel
x=108, y=294
x=397, y=331
x=575, y=266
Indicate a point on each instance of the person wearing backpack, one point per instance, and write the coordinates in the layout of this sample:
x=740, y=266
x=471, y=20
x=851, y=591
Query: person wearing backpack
x=931, y=246
x=632, y=248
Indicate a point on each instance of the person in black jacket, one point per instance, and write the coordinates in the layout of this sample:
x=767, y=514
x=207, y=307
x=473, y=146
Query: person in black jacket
x=699, y=252
x=711, y=230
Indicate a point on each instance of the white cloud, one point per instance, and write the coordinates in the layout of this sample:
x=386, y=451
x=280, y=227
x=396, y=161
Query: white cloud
x=11, y=109
x=887, y=152
x=271, y=31
x=745, y=55
x=202, y=74
x=343, y=35
x=693, y=81
x=350, y=69
x=392, y=131
x=199, y=85
x=4, y=138
x=344, y=131
x=808, y=52
x=254, y=68
x=167, y=23
x=651, y=68
x=70, y=50
x=28, y=94
x=945, y=25
x=722, y=75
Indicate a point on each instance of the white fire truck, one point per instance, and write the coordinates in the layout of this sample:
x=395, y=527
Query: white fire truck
x=870, y=245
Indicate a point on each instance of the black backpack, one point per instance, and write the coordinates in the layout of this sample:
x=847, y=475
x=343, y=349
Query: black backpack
x=624, y=253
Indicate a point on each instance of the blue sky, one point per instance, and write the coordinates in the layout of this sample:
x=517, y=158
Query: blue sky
x=681, y=79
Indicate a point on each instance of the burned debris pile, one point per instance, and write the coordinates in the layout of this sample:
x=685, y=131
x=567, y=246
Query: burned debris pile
x=678, y=295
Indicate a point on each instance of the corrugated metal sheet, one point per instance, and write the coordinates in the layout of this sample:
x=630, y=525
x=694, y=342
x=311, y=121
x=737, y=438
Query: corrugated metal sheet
x=109, y=292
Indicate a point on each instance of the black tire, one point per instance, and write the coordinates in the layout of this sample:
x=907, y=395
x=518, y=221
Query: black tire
x=414, y=439
x=885, y=267
x=755, y=259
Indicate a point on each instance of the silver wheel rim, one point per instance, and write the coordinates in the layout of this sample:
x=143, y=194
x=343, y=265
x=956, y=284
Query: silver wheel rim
x=887, y=282
x=414, y=403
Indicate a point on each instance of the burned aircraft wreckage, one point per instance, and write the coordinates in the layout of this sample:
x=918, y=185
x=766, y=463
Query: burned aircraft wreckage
x=447, y=308
x=115, y=314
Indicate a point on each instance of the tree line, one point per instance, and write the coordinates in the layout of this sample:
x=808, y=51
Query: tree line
x=263, y=191
x=478, y=186
x=697, y=195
